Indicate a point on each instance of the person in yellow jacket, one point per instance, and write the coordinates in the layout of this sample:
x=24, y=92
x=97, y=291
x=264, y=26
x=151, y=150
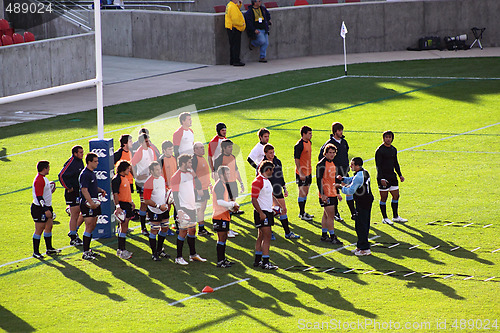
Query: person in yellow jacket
x=235, y=24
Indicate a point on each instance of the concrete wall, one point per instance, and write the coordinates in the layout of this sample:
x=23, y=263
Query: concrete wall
x=298, y=31
x=46, y=63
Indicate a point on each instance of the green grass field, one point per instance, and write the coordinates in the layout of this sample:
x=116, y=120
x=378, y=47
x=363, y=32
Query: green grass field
x=447, y=131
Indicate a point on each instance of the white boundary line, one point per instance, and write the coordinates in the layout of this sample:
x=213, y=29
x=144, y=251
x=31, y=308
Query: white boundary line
x=200, y=294
x=340, y=248
x=457, y=151
x=422, y=77
x=31, y=257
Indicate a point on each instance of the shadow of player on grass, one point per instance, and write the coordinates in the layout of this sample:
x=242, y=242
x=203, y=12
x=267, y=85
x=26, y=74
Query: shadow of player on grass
x=12, y=323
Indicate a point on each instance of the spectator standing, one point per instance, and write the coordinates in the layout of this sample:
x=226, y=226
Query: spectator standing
x=258, y=20
x=235, y=24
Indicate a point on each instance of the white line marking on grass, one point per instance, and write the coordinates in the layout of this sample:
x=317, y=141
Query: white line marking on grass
x=412, y=247
x=467, y=225
x=307, y=269
x=448, y=224
x=422, y=77
x=488, y=225
x=448, y=276
x=495, y=250
x=31, y=257
x=455, y=248
x=288, y=268
x=435, y=247
x=488, y=279
x=339, y=249
x=427, y=275
x=329, y=269
x=200, y=294
x=477, y=248
x=349, y=270
x=456, y=151
x=394, y=245
x=377, y=244
x=469, y=277
x=409, y=274
x=373, y=270
x=389, y=273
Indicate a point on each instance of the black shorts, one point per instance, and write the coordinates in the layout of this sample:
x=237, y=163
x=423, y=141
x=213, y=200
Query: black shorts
x=127, y=208
x=278, y=191
x=331, y=201
x=392, y=181
x=140, y=189
x=88, y=212
x=38, y=213
x=268, y=222
x=306, y=182
x=204, y=197
x=153, y=217
x=234, y=189
x=72, y=198
x=220, y=225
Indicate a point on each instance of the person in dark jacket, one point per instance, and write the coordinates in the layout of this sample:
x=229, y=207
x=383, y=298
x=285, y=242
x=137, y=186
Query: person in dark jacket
x=258, y=20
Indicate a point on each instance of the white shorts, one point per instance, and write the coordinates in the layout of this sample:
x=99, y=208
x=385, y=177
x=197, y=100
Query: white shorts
x=392, y=188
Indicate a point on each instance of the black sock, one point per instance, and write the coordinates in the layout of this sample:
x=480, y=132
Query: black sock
x=86, y=243
x=159, y=247
x=201, y=227
x=258, y=258
x=337, y=214
x=265, y=260
x=48, y=242
x=152, y=244
x=180, y=244
x=220, y=252
x=191, y=242
x=73, y=237
x=285, y=225
x=121, y=243
x=36, y=245
x=302, y=207
x=383, y=210
x=394, y=206
x=142, y=218
x=350, y=204
x=324, y=234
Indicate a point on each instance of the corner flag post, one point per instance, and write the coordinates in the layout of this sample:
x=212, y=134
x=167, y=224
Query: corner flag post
x=343, y=32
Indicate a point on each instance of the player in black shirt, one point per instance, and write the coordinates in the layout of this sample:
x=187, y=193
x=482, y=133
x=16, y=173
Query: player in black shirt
x=386, y=160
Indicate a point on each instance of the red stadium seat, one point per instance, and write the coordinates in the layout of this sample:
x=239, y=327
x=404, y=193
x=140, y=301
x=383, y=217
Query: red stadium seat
x=330, y=1
x=5, y=28
x=220, y=9
x=17, y=38
x=349, y=1
x=301, y=3
x=29, y=37
x=7, y=40
x=271, y=4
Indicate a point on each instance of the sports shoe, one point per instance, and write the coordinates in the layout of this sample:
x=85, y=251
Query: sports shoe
x=335, y=240
x=196, y=257
x=231, y=234
x=155, y=257
x=338, y=218
x=145, y=232
x=95, y=254
x=163, y=254
x=305, y=217
x=325, y=239
x=230, y=263
x=223, y=264
x=170, y=232
x=76, y=242
x=292, y=236
x=399, y=219
x=359, y=252
x=53, y=251
x=87, y=255
x=204, y=232
x=387, y=221
x=181, y=261
x=353, y=216
x=272, y=236
x=124, y=254
x=257, y=264
x=269, y=266
x=37, y=255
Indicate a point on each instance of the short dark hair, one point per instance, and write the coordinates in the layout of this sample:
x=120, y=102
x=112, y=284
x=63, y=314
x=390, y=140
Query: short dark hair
x=225, y=143
x=265, y=165
x=357, y=161
x=337, y=126
x=328, y=147
x=268, y=147
x=143, y=130
x=142, y=137
x=183, y=116
x=122, y=166
x=263, y=131
x=304, y=129
x=75, y=149
x=166, y=144
x=221, y=170
x=184, y=158
x=153, y=165
x=90, y=157
x=388, y=133
x=42, y=165
x=124, y=139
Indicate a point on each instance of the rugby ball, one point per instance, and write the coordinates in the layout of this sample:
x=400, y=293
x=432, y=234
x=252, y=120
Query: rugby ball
x=52, y=186
x=120, y=217
x=236, y=208
x=276, y=211
x=96, y=201
x=169, y=197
